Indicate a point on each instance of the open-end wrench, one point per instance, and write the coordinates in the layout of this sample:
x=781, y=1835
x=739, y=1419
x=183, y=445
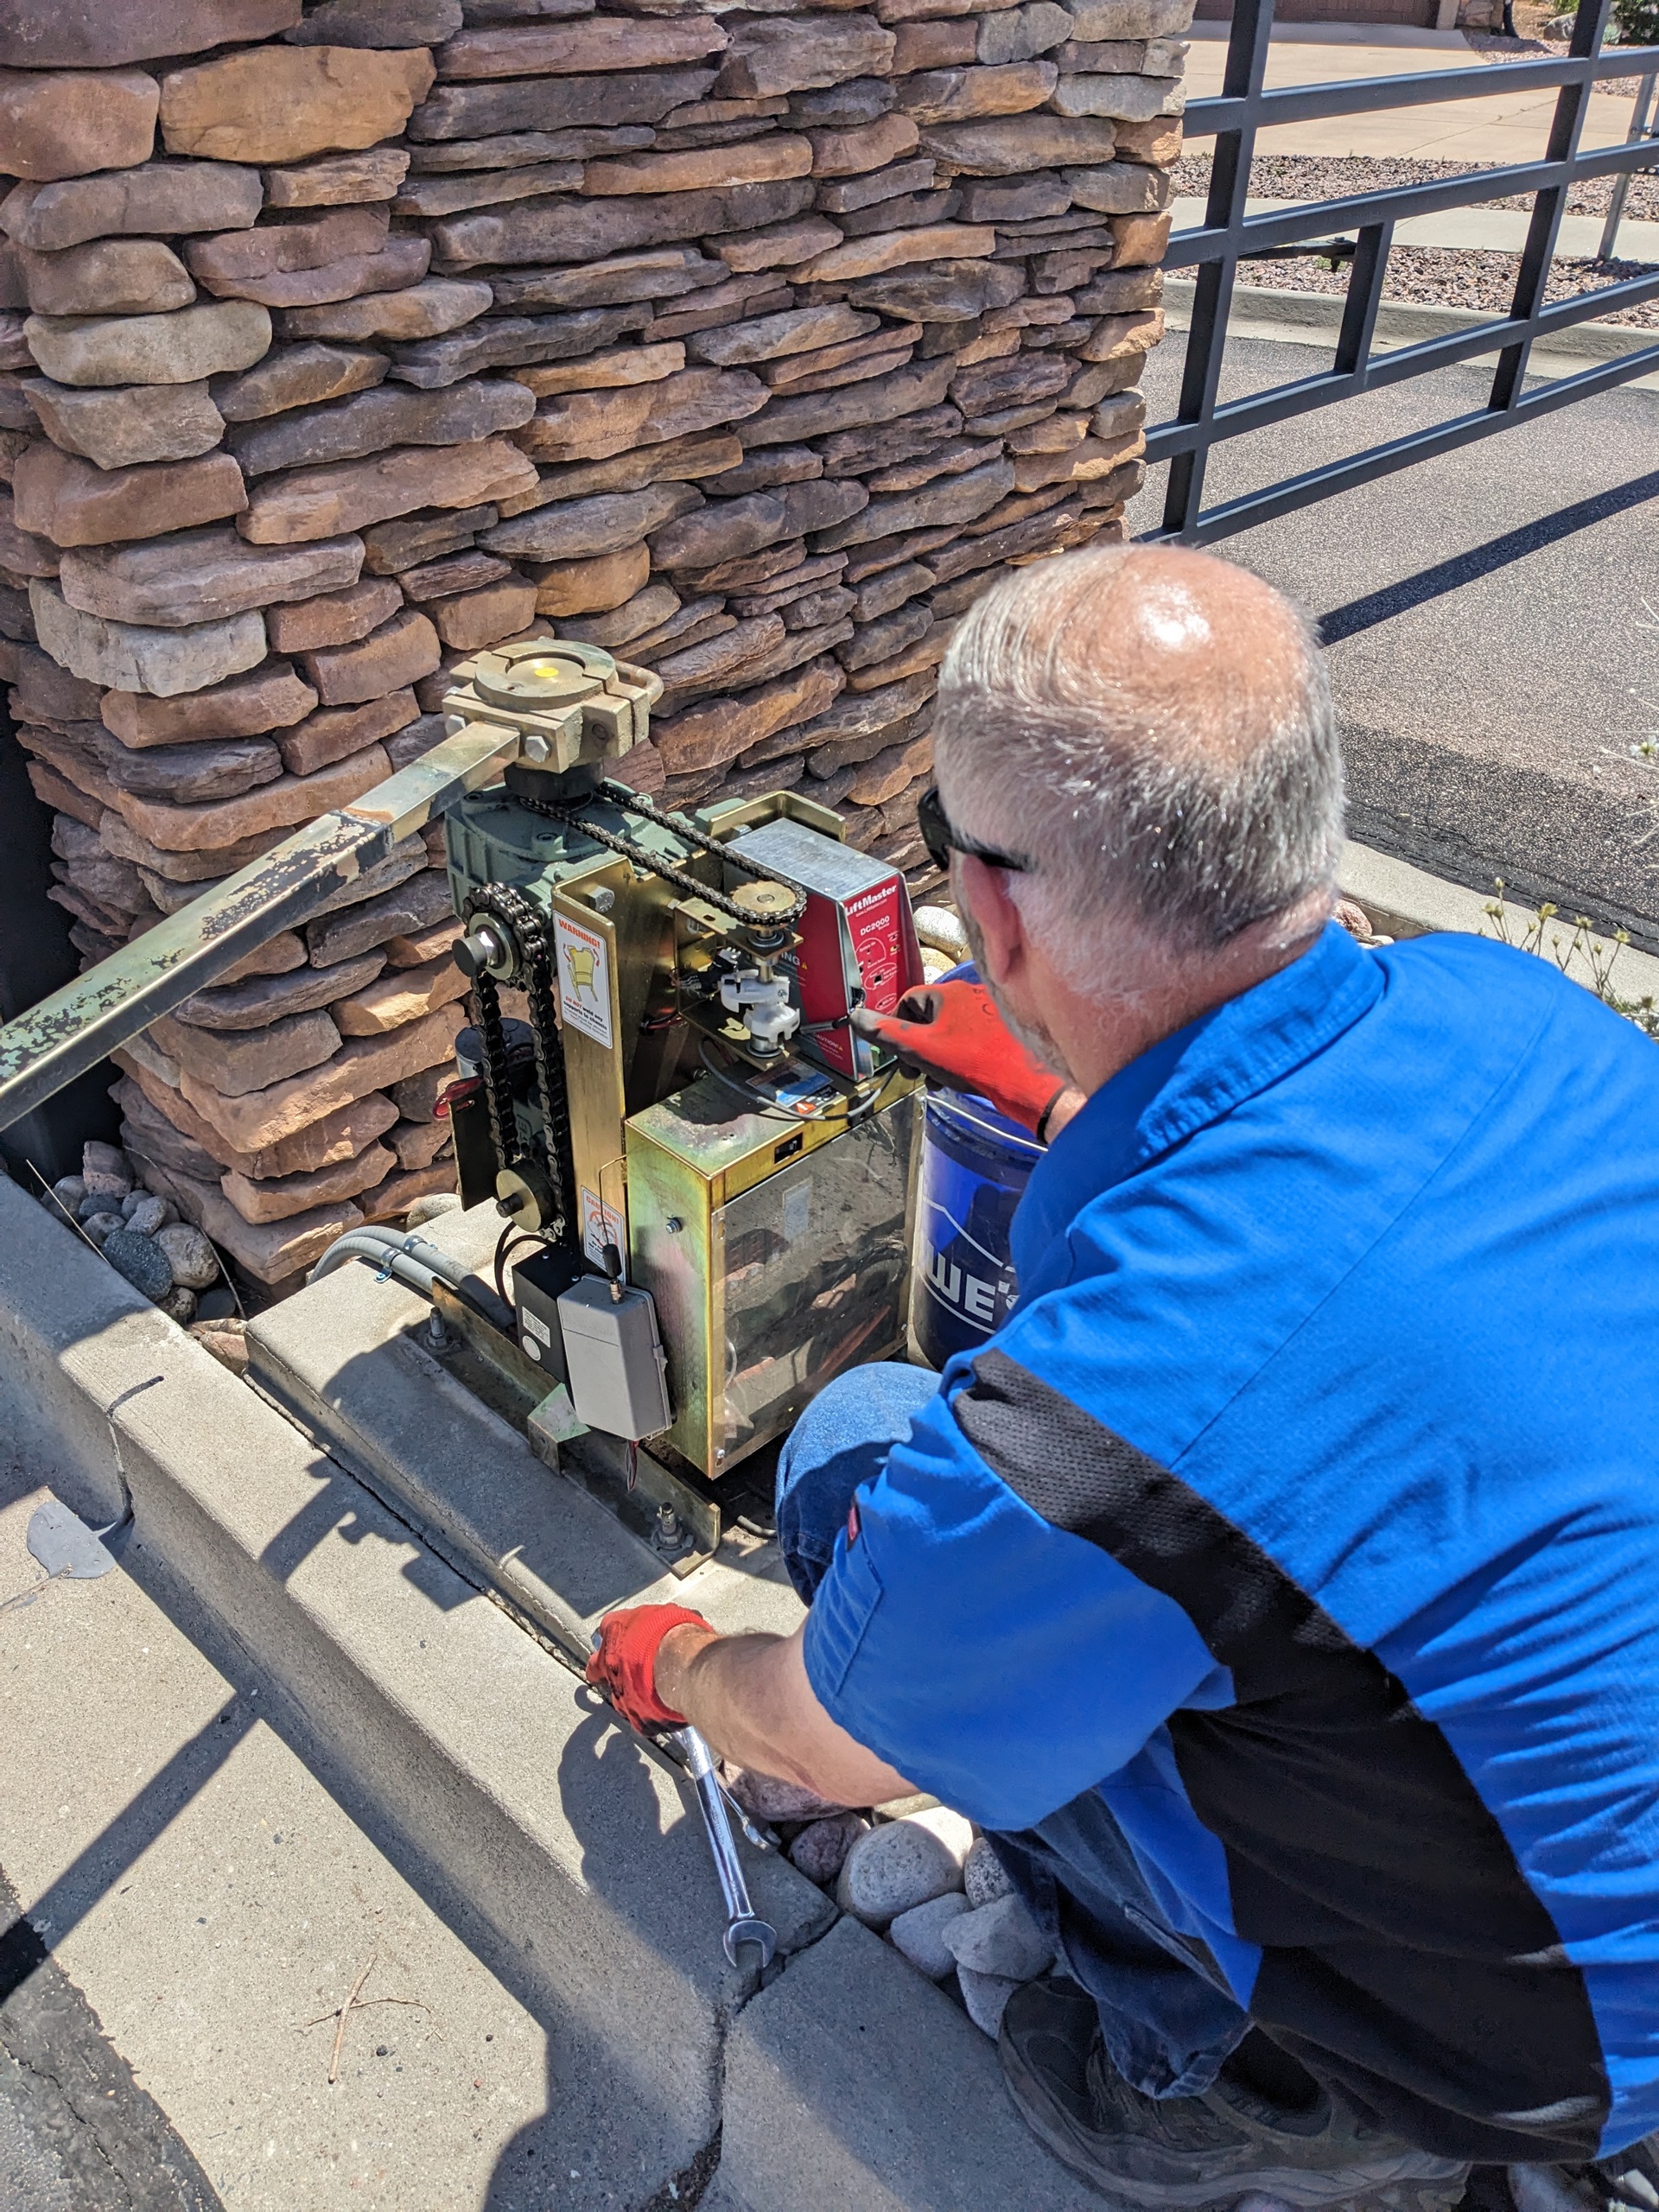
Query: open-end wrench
x=745, y=1930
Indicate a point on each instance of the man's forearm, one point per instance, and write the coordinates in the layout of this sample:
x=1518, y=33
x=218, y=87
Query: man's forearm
x=750, y=1698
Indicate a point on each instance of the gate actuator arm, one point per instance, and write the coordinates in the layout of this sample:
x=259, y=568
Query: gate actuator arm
x=79, y=1026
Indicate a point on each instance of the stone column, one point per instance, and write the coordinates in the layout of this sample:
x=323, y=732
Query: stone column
x=337, y=344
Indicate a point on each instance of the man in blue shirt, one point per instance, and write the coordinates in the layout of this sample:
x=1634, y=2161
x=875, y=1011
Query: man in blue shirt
x=1279, y=1585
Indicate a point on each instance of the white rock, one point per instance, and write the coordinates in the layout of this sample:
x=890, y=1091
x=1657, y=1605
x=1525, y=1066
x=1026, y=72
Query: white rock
x=179, y=1305
x=192, y=1258
x=986, y=1996
x=918, y=1933
x=999, y=1938
x=984, y=1878
x=903, y=1863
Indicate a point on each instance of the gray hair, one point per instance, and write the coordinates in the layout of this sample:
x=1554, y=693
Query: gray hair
x=1194, y=808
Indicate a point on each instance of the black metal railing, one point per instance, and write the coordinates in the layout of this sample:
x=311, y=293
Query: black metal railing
x=1228, y=235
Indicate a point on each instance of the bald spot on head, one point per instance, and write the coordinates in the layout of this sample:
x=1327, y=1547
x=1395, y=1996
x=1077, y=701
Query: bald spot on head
x=1193, y=642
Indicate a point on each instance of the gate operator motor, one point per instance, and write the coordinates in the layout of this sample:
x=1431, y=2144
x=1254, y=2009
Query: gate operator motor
x=716, y=1167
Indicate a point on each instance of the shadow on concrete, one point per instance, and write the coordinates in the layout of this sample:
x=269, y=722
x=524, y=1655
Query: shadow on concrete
x=1481, y=560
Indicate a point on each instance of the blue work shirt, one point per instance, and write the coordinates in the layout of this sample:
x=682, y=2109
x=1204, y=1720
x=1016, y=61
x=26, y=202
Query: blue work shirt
x=1305, y=1509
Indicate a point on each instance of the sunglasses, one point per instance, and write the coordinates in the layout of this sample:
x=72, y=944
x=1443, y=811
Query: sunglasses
x=940, y=840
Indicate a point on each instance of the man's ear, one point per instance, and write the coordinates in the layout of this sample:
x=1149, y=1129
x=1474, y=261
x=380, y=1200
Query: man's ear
x=984, y=892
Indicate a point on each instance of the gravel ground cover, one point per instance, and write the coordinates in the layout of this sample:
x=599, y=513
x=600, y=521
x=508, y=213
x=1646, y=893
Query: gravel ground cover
x=1312, y=176
x=1457, y=277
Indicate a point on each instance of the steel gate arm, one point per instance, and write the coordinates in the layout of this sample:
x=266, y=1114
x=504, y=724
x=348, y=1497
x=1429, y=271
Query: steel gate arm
x=77, y=1026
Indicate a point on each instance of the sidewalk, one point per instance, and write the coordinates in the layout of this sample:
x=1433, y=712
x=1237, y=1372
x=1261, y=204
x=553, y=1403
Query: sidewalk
x=1502, y=127
x=1493, y=230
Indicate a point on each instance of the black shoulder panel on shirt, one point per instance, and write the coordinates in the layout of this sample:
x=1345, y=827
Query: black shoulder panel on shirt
x=1405, y=1957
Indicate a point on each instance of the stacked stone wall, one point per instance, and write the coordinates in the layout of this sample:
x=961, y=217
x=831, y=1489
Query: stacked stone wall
x=752, y=344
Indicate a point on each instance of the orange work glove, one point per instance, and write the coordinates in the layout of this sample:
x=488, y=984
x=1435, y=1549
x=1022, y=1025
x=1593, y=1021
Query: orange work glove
x=626, y=1661
x=953, y=1032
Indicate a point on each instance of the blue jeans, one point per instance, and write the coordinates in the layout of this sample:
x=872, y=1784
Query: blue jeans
x=1166, y=2015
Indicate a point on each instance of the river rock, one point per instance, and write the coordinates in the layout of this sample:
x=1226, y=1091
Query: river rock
x=161, y=198
x=902, y=1863
x=130, y=659
x=820, y=1850
x=75, y=504
x=315, y=503
x=96, y=1226
x=769, y=1797
x=193, y=1262
x=984, y=1878
x=69, y=1190
x=183, y=347
x=272, y=698
x=986, y=1996
x=62, y=123
x=144, y=1215
x=141, y=1260
x=276, y=104
x=918, y=1934
x=202, y=575
x=108, y=276
x=129, y=425
x=999, y=1938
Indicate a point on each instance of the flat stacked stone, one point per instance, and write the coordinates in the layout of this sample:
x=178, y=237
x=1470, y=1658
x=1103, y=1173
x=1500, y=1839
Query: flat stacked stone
x=339, y=341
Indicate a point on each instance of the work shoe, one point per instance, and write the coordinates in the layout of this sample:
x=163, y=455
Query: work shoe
x=1212, y=2150
x=1627, y=2182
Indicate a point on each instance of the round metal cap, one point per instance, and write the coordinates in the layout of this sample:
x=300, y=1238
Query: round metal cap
x=543, y=675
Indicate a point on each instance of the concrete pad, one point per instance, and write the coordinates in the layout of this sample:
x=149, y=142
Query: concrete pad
x=342, y=1356
x=573, y=1866
x=1497, y=127
x=209, y=1896
x=854, y=2083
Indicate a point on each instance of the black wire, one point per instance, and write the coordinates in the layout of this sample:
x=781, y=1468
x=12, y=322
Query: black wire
x=504, y=1244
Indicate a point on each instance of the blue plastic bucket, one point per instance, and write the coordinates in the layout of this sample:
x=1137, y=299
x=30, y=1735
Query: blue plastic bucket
x=976, y=1164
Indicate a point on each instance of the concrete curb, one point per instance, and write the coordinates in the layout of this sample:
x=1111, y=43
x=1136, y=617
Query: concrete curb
x=1314, y=317
x=571, y=1859
x=1405, y=901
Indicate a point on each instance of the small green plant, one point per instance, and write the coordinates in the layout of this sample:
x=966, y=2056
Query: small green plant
x=1638, y=21
x=1599, y=954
